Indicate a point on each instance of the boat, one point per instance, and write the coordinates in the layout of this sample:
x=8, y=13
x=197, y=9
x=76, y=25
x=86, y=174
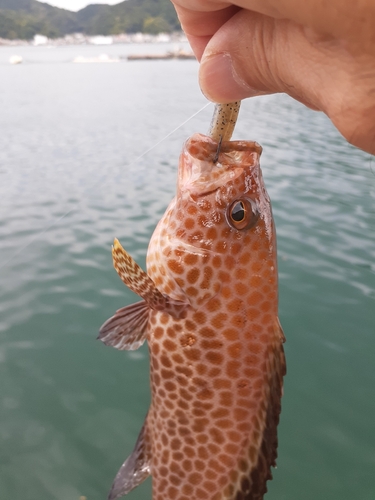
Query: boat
x=174, y=54
x=103, y=58
x=15, y=59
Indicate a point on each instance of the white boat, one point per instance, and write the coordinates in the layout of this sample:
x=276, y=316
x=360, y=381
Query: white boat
x=15, y=59
x=103, y=58
x=101, y=40
x=40, y=40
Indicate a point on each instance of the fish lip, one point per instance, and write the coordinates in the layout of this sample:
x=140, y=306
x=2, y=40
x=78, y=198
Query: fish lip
x=202, y=171
x=202, y=193
x=201, y=178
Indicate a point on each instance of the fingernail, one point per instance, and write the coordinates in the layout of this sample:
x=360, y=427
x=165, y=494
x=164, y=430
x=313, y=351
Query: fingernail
x=219, y=80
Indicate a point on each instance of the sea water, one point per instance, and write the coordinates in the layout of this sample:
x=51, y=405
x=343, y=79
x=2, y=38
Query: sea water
x=71, y=408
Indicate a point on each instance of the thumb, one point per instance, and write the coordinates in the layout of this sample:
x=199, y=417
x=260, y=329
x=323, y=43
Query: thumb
x=253, y=54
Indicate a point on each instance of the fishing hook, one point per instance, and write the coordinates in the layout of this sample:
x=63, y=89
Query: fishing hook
x=216, y=157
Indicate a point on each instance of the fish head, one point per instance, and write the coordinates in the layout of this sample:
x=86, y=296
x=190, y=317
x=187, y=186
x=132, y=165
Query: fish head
x=220, y=219
x=221, y=200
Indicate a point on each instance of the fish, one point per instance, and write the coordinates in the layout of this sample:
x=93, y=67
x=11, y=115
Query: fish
x=209, y=313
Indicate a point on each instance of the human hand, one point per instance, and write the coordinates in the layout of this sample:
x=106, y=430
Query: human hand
x=320, y=53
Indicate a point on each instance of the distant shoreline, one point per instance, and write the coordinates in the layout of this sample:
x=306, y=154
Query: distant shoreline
x=81, y=39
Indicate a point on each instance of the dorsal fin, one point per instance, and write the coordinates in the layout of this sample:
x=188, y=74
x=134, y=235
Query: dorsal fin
x=253, y=486
x=268, y=452
x=135, y=469
x=261, y=473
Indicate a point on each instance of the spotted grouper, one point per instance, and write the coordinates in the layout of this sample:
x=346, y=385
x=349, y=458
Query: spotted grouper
x=210, y=317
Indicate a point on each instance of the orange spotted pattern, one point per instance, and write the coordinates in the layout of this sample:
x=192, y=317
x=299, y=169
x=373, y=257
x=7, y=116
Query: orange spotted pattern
x=216, y=374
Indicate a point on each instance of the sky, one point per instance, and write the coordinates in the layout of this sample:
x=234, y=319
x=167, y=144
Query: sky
x=77, y=4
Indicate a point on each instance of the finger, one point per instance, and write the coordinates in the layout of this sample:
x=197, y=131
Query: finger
x=200, y=26
x=250, y=55
x=270, y=55
x=343, y=19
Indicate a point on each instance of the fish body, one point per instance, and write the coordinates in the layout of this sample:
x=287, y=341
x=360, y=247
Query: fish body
x=210, y=317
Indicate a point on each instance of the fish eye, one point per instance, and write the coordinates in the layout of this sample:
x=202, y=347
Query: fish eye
x=238, y=212
x=242, y=213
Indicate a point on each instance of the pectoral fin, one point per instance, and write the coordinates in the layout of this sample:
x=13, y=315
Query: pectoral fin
x=140, y=283
x=127, y=329
x=135, y=469
x=135, y=277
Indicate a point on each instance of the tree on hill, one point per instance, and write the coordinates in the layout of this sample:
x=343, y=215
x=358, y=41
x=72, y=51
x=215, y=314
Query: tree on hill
x=155, y=25
x=25, y=18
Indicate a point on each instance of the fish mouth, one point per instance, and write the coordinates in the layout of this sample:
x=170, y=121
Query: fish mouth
x=206, y=165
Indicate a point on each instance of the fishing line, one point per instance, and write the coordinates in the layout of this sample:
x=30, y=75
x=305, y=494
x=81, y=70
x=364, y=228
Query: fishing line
x=96, y=185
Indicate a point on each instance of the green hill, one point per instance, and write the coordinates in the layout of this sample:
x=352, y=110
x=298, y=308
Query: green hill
x=25, y=18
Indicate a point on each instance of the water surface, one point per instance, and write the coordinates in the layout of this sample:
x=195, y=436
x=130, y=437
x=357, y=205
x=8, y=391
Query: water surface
x=70, y=408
